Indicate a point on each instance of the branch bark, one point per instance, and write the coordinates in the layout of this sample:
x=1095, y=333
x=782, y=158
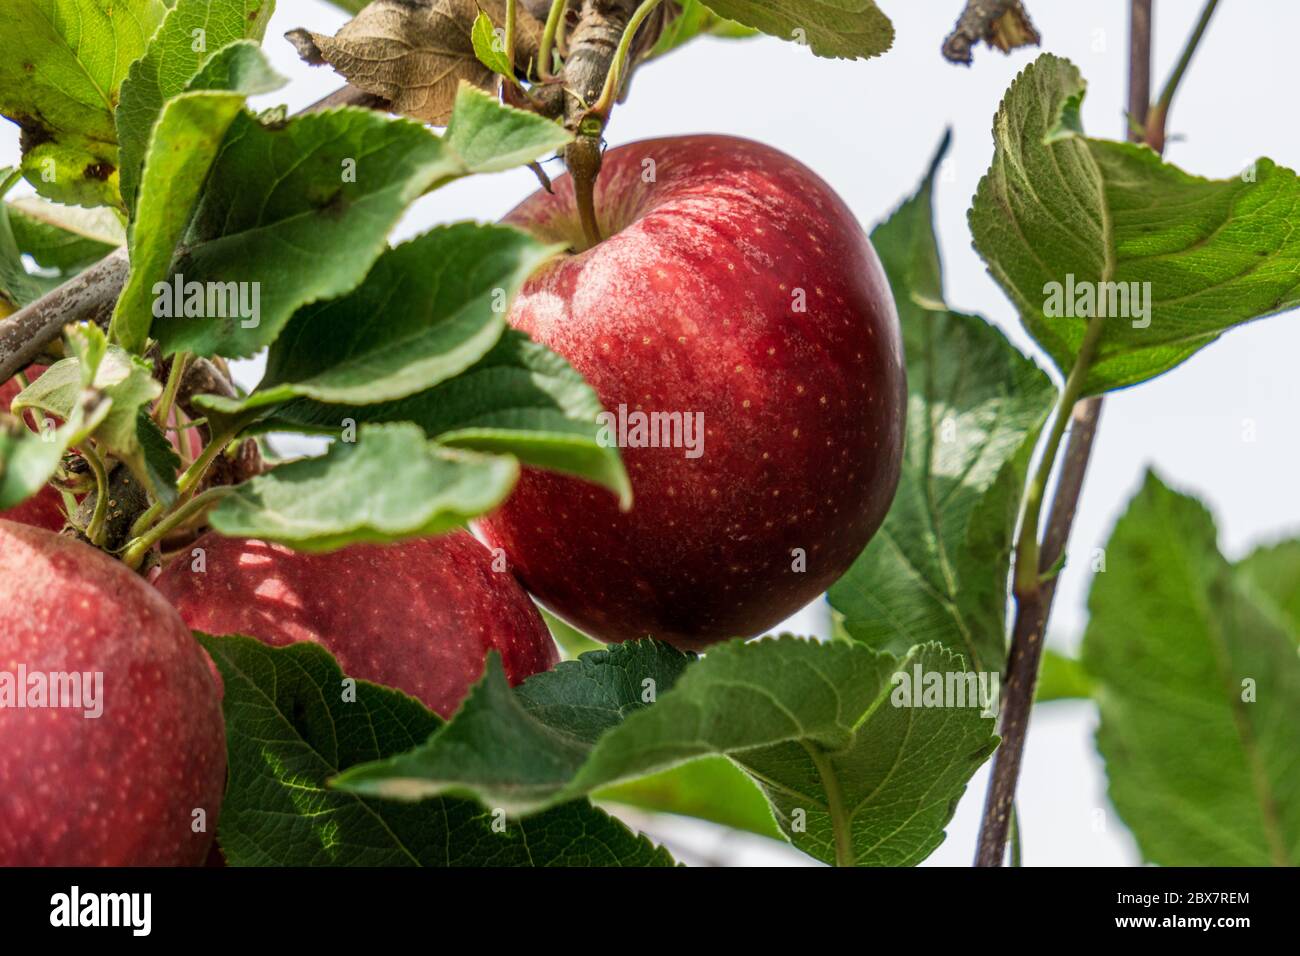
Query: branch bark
x=88, y=297
x=1033, y=609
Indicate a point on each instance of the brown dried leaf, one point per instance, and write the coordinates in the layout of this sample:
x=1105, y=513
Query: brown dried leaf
x=1002, y=24
x=1011, y=30
x=414, y=53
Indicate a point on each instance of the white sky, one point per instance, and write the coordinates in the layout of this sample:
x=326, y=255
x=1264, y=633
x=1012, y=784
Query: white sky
x=869, y=129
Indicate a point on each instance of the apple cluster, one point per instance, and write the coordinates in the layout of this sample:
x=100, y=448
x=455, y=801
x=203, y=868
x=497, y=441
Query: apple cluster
x=733, y=289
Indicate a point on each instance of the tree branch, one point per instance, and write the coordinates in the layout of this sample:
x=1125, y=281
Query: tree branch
x=88, y=297
x=1033, y=608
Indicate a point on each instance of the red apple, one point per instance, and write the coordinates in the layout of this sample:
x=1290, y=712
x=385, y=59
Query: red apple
x=735, y=284
x=45, y=508
x=420, y=615
x=121, y=788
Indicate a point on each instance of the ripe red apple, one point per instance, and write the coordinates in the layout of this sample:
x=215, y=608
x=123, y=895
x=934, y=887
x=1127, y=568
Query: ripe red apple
x=121, y=788
x=735, y=284
x=420, y=615
x=45, y=508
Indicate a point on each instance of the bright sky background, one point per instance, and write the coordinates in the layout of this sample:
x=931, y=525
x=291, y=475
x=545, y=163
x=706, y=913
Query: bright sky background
x=869, y=129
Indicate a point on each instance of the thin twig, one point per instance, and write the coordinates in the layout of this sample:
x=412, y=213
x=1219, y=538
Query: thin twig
x=545, y=54
x=1159, y=114
x=512, y=20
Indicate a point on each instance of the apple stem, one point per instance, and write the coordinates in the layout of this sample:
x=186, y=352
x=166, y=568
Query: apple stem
x=583, y=158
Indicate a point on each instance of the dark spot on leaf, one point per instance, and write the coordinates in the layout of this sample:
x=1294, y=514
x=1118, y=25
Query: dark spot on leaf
x=34, y=132
x=298, y=718
x=334, y=205
x=255, y=14
x=29, y=67
x=100, y=171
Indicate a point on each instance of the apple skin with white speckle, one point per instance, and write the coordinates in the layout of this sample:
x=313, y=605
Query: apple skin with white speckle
x=732, y=282
x=419, y=615
x=122, y=788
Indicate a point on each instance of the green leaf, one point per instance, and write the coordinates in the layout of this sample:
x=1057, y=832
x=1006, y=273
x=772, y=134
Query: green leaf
x=1274, y=574
x=18, y=287
x=298, y=210
x=1199, y=693
x=846, y=29
x=191, y=33
x=693, y=20
x=63, y=238
x=484, y=38
x=124, y=379
x=390, y=484
x=937, y=569
x=184, y=144
x=712, y=789
x=289, y=729
x=520, y=399
x=284, y=216
x=1061, y=678
x=491, y=138
x=429, y=309
x=29, y=460
x=852, y=779
x=158, y=460
x=1172, y=259
x=62, y=63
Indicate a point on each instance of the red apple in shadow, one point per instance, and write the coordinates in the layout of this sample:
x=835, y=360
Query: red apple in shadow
x=139, y=784
x=733, y=286
x=420, y=615
x=45, y=508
